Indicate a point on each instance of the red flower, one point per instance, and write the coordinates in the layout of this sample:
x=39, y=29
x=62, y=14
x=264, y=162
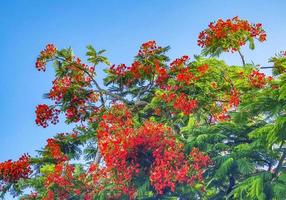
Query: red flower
x=185, y=76
x=11, y=172
x=203, y=68
x=230, y=34
x=148, y=48
x=234, y=98
x=47, y=53
x=257, y=79
x=151, y=149
x=60, y=87
x=44, y=114
x=54, y=149
x=179, y=62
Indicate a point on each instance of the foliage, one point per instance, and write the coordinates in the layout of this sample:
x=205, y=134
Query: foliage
x=160, y=129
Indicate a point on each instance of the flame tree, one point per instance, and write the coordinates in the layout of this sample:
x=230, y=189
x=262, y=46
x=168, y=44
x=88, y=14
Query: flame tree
x=190, y=128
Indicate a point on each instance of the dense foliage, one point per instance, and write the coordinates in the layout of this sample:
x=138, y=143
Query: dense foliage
x=160, y=129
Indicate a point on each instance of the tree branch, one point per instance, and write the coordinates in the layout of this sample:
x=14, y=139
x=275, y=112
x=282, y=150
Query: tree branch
x=282, y=159
x=242, y=57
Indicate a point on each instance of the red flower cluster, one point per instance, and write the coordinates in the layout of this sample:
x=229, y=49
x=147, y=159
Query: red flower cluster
x=61, y=182
x=230, y=34
x=59, y=89
x=119, y=70
x=75, y=85
x=185, y=76
x=11, y=172
x=203, y=68
x=200, y=161
x=183, y=73
x=180, y=102
x=257, y=79
x=148, y=48
x=150, y=149
x=62, y=177
x=234, y=98
x=46, y=54
x=44, y=114
x=138, y=71
x=162, y=73
x=54, y=149
x=179, y=62
x=152, y=70
x=184, y=104
x=220, y=111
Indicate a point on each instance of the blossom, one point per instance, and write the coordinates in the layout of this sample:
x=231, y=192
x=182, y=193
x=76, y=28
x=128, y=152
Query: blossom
x=230, y=34
x=185, y=76
x=60, y=87
x=203, y=68
x=257, y=79
x=179, y=62
x=234, y=98
x=55, y=151
x=180, y=102
x=148, y=48
x=46, y=54
x=150, y=149
x=45, y=114
x=12, y=171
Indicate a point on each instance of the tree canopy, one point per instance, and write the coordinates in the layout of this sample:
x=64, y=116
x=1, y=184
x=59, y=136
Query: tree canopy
x=190, y=128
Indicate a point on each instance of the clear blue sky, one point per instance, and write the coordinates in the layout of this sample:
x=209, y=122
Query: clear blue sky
x=118, y=26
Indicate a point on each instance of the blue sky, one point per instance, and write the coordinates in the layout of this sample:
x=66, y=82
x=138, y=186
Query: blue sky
x=117, y=26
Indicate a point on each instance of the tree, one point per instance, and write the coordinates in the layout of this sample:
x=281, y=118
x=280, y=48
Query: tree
x=187, y=129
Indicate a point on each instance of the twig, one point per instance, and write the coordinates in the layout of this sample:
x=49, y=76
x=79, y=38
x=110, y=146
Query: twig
x=242, y=57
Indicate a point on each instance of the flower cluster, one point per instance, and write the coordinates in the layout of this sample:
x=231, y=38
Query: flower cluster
x=75, y=86
x=162, y=74
x=179, y=62
x=59, y=89
x=12, y=171
x=200, y=161
x=44, y=114
x=46, y=54
x=219, y=111
x=148, y=48
x=63, y=178
x=185, y=76
x=147, y=66
x=183, y=73
x=185, y=104
x=230, y=34
x=74, y=83
x=234, y=98
x=180, y=102
x=138, y=71
x=203, y=68
x=257, y=79
x=151, y=149
x=119, y=70
x=54, y=149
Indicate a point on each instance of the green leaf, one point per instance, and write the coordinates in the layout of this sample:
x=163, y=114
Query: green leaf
x=244, y=166
x=225, y=167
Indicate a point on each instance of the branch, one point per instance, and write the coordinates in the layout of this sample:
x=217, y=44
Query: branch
x=282, y=159
x=98, y=157
x=242, y=57
x=268, y=67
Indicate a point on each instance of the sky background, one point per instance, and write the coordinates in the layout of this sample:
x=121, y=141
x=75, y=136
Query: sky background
x=118, y=26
